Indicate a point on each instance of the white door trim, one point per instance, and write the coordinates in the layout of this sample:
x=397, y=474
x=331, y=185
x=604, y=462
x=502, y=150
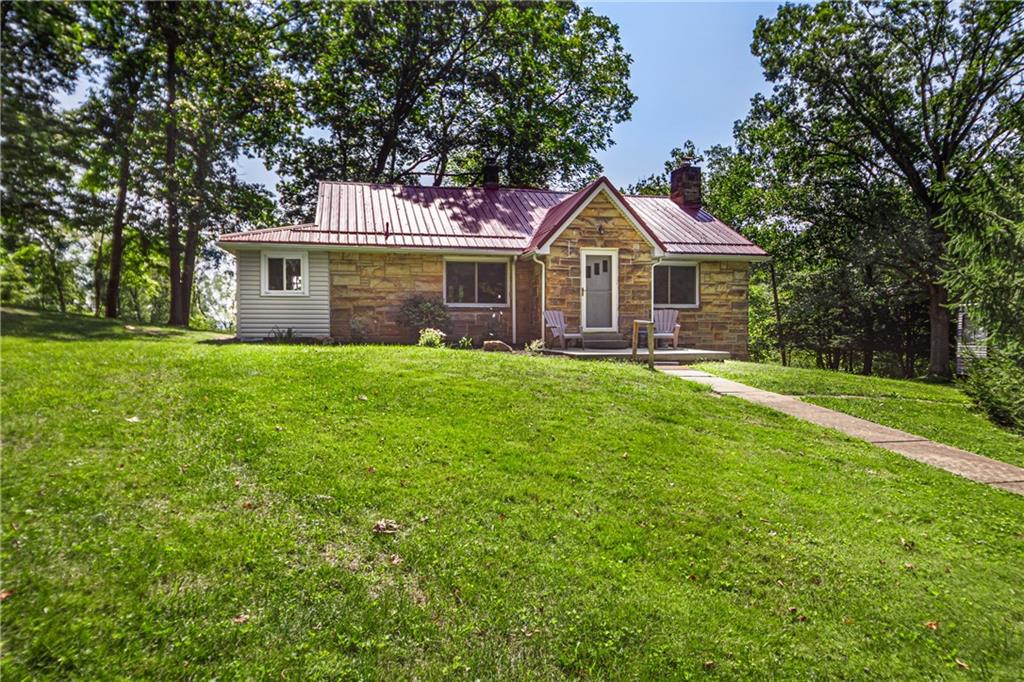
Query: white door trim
x=614, y=253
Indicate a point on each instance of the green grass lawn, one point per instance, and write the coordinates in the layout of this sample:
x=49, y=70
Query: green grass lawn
x=179, y=508
x=940, y=412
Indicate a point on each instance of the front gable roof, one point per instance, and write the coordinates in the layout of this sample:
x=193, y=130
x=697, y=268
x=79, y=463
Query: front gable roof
x=559, y=217
x=351, y=215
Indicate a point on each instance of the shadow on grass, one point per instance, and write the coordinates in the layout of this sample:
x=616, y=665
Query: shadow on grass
x=71, y=327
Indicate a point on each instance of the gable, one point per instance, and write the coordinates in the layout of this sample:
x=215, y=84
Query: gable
x=598, y=204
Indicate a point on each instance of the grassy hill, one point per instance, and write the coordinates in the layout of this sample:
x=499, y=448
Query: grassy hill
x=182, y=508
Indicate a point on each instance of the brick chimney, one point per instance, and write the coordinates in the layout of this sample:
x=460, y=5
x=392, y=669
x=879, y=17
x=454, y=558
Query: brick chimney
x=491, y=172
x=685, y=185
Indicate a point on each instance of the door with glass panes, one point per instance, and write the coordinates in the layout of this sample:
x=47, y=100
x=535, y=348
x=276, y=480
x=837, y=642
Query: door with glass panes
x=598, y=291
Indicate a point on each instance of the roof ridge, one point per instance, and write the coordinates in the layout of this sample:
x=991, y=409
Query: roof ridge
x=458, y=187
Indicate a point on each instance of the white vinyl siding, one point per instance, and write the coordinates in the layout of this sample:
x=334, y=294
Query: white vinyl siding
x=259, y=315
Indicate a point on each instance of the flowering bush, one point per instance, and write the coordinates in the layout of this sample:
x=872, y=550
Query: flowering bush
x=431, y=338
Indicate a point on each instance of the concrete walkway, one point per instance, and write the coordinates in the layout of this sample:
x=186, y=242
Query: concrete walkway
x=954, y=460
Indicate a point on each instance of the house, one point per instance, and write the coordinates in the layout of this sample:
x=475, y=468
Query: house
x=971, y=341
x=498, y=257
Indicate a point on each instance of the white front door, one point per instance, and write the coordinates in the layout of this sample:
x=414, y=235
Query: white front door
x=599, y=293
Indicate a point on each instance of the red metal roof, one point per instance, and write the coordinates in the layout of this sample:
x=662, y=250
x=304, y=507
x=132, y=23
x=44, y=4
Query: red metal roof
x=352, y=215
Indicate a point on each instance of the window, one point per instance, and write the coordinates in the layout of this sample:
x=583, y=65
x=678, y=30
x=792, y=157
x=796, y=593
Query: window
x=675, y=286
x=476, y=282
x=283, y=274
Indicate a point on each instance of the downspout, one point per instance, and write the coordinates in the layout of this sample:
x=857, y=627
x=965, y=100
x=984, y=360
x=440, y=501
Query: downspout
x=514, y=261
x=544, y=293
x=655, y=263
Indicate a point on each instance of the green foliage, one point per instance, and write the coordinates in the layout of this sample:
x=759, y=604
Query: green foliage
x=534, y=347
x=464, y=343
x=419, y=312
x=921, y=95
x=986, y=252
x=278, y=335
x=996, y=383
x=444, y=88
x=157, y=487
x=431, y=338
x=357, y=330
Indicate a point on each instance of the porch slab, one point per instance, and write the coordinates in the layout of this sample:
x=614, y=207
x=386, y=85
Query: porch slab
x=675, y=355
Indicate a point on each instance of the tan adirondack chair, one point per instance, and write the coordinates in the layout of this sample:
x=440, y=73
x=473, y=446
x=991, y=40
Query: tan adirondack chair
x=555, y=321
x=665, y=326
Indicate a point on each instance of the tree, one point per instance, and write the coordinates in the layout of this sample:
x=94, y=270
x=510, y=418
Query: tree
x=41, y=54
x=926, y=85
x=122, y=50
x=222, y=95
x=401, y=90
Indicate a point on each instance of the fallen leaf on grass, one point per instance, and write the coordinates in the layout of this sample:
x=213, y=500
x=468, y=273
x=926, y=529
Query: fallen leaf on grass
x=710, y=665
x=386, y=527
x=240, y=618
x=238, y=484
x=395, y=559
x=361, y=397
x=371, y=470
x=248, y=504
x=5, y=594
x=962, y=664
x=932, y=625
x=279, y=428
x=132, y=419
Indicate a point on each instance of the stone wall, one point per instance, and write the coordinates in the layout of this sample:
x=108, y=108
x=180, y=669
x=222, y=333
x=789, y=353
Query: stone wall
x=563, y=263
x=528, y=322
x=720, y=323
x=371, y=287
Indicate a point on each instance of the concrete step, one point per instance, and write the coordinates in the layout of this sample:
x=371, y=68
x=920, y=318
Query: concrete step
x=604, y=340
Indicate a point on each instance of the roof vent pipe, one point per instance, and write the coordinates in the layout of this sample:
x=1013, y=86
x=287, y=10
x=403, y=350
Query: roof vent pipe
x=491, y=172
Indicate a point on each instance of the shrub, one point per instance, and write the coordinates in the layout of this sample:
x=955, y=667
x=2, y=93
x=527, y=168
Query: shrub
x=357, y=332
x=534, y=347
x=996, y=384
x=423, y=312
x=277, y=335
x=465, y=343
x=431, y=338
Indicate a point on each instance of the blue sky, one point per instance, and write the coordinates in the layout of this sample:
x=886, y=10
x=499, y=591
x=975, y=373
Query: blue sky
x=693, y=76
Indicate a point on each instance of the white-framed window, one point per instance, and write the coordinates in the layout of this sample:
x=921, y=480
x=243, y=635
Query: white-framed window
x=476, y=282
x=676, y=285
x=284, y=273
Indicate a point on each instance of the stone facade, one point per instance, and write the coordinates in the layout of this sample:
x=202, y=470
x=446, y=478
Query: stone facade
x=371, y=287
x=600, y=225
x=720, y=323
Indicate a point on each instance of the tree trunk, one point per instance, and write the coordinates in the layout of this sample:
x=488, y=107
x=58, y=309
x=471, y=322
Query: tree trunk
x=171, y=39
x=938, y=318
x=194, y=222
x=97, y=279
x=117, y=231
x=58, y=281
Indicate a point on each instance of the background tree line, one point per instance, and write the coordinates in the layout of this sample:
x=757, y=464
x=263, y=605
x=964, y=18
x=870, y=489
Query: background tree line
x=883, y=175
x=112, y=205
x=882, y=172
